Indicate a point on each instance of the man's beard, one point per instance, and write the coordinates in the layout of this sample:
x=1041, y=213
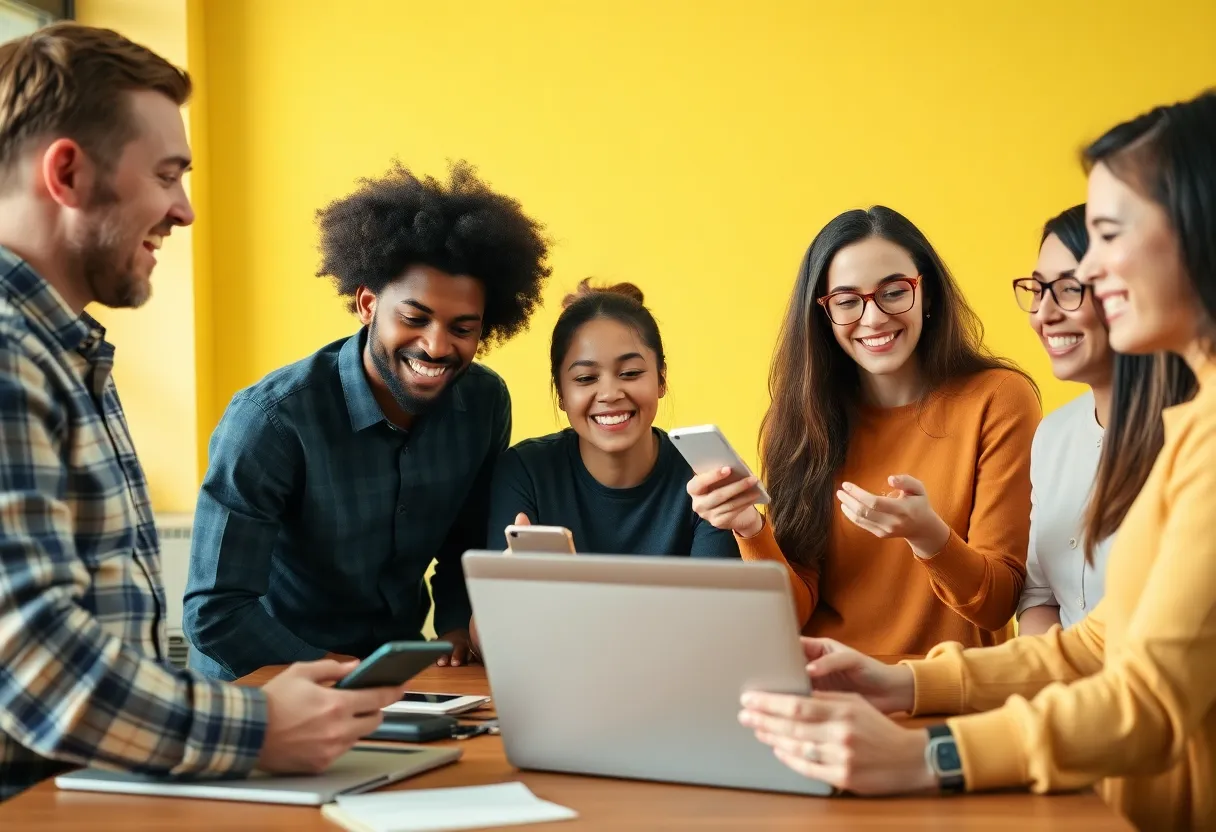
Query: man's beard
x=405, y=399
x=110, y=274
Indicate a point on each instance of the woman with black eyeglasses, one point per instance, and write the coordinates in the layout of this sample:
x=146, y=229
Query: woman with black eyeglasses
x=896, y=450
x=1090, y=457
x=1062, y=585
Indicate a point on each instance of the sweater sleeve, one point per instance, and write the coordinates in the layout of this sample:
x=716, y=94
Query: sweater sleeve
x=952, y=680
x=1137, y=714
x=804, y=580
x=981, y=577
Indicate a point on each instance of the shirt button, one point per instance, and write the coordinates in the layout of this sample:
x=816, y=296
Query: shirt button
x=1099, y=443
x=1081, y=603
x=401, y=509
x=1072, y=543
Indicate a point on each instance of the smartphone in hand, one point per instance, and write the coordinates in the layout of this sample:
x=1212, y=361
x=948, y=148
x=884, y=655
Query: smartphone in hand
x=552, y=540
x=706, y=449
x=394, y=664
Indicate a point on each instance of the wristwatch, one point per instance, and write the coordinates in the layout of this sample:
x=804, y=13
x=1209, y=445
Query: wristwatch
x=944, y=761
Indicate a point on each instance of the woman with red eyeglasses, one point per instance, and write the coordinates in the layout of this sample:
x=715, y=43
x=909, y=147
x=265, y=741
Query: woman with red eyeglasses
x=896, y=451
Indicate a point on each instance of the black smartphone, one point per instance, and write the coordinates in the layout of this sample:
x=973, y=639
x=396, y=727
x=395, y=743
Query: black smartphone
x=394, y=663
x=414, y=727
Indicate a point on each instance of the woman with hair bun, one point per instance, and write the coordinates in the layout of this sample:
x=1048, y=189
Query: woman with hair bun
x=612, y=478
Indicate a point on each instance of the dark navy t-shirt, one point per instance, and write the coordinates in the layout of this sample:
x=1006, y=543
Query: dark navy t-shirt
x=546, y=479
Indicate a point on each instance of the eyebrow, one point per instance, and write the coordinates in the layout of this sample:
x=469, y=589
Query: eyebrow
x=429, y=311
x=1097, y=220
x=896, y=276
x=587, y=362
x=182, y=163
x=1066, y=273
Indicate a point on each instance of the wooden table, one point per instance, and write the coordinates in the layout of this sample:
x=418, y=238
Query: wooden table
x=602, y=804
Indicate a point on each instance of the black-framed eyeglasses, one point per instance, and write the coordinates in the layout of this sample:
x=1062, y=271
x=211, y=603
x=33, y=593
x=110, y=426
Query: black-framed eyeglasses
x=894, y=297
x=1067, y=292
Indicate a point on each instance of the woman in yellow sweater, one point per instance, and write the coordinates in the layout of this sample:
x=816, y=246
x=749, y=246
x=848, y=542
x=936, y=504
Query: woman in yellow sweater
x=1126, y=698
x=896, y=450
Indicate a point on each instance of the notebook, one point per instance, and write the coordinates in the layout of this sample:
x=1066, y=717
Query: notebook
x=441, y=810
x=358, y=770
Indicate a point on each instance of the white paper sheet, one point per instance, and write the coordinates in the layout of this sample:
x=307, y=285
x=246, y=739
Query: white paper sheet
x=438, y=810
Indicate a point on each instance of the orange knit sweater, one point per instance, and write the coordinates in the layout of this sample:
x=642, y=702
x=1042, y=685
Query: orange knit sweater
x=970, y=446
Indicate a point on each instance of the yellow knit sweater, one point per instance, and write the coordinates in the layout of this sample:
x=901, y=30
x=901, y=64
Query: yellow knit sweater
x=1126, y=698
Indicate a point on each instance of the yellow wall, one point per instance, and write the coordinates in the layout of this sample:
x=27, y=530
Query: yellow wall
x=155, y=365
x=691, y=146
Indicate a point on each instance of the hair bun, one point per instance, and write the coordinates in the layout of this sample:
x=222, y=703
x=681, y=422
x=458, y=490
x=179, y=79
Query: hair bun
x=585, y=289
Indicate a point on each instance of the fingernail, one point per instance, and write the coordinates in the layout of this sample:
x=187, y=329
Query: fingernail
x=724, y=471
x=847, y=486
x=748, y=700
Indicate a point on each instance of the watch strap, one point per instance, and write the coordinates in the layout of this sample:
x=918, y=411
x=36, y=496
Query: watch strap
x=943, y=758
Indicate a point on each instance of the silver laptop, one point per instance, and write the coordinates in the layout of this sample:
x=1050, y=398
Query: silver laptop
x=633, y=666
x=358, y=770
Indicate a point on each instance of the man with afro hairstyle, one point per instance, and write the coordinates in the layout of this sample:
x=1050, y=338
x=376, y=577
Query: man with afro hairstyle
x=335, y=481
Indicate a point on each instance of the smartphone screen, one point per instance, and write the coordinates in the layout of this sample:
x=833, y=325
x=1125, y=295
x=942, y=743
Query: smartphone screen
x=430, y=698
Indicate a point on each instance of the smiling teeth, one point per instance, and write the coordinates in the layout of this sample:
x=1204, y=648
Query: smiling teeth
x=1059, y=342
x=612, y=420
x=423, y=370
x=879, y=340
x=154, y=241
x=1114, y=303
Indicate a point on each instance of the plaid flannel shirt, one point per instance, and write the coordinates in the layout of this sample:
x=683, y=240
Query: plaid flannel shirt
x=83, y=674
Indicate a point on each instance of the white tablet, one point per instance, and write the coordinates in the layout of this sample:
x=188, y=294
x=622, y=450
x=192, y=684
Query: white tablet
x=436, y=703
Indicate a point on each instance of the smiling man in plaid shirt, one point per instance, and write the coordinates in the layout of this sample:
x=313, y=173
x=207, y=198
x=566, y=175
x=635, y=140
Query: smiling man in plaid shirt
x=92, y=155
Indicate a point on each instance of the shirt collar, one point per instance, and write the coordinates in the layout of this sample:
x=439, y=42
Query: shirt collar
x=360, y=403
x=45, y=308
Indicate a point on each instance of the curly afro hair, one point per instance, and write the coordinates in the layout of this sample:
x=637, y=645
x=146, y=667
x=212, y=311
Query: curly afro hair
x=373, y=236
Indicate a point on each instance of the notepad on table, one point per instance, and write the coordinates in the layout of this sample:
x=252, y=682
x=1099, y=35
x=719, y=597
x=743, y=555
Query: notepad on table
x=438, y=810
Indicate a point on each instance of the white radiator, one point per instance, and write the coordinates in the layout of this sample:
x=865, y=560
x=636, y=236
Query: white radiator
x=174, y=531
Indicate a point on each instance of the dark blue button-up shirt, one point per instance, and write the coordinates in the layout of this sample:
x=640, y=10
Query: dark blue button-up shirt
x=318, y=520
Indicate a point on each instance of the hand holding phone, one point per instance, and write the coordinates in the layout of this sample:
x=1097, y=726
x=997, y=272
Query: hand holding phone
x=706, y=449
x=724, y=491
x=554, y=540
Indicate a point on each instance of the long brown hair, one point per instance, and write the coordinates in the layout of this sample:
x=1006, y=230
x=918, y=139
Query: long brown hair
x=1165, y=154
x=1144, y=385
x=815, y=386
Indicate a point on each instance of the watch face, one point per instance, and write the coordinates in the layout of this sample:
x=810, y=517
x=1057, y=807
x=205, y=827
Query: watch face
x=947, y=759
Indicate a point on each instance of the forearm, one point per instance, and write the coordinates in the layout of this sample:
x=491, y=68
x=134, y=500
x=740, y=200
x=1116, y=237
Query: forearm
x=981, y=587
x=951, y=680
x=237, y=632
x=453, y=611
x=709, y=542
x=1038, y=620
x=762, y=546
x=72, y=693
